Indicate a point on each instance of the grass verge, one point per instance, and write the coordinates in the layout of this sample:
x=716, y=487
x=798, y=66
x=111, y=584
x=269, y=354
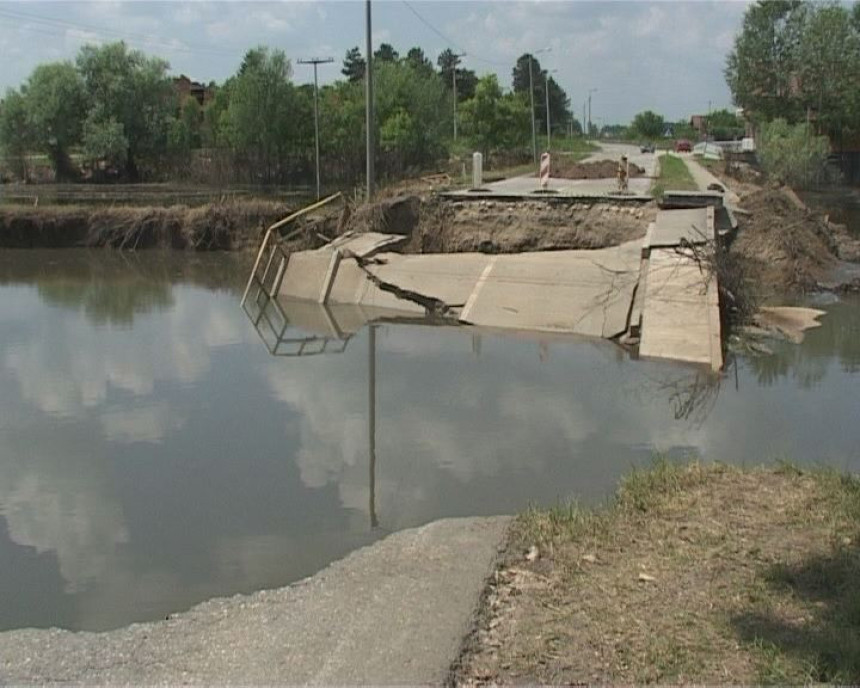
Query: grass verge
x=691, y=574
x=674, y=176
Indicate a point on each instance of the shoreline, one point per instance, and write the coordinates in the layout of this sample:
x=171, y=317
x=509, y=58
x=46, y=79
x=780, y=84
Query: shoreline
x=392, y=612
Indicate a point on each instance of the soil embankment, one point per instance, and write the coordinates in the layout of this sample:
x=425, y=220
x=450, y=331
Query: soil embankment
x=444, y=226
x=787, y=246
x=233, y=225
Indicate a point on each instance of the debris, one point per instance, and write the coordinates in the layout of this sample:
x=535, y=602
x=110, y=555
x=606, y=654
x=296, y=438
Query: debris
x=533, y=553
x=589, y=558
x=645, y=578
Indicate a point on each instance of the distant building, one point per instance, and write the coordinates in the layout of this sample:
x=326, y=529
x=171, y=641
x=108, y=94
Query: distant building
x=185, y=89
x=699, y=123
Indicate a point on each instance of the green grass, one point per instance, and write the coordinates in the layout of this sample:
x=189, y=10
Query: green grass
x=752, y=577
x=674, y=176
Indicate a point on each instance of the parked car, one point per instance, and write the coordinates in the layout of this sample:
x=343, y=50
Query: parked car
x=646, y=147
x=683, y=146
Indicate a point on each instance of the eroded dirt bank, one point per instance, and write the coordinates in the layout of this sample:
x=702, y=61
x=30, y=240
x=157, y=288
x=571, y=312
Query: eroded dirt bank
x=234, y=225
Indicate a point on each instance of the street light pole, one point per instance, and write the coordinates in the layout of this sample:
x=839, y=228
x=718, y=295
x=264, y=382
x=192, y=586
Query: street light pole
x=590, y=91
x=317, y=61
x=454, y=78
x=368, y=102
x=532, y=100
x=546, y=89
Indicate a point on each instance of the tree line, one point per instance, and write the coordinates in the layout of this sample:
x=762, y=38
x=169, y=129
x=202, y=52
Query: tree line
x=114, y=112
x=799, y=61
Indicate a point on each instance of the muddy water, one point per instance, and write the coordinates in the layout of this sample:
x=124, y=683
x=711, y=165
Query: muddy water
x=153, y=454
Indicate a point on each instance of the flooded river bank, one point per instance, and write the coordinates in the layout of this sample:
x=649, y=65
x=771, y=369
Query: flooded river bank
x=153, y=454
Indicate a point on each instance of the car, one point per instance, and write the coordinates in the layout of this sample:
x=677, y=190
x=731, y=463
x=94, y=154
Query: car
x=683, y=146
x=646, y=147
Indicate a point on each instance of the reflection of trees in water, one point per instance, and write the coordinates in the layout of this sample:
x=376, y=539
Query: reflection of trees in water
x=108, y=301
x=113, y=287
x=807, y=363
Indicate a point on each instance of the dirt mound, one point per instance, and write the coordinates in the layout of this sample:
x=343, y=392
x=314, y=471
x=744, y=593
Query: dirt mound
x=565, y=168
x=790, y=247
x=503, y=227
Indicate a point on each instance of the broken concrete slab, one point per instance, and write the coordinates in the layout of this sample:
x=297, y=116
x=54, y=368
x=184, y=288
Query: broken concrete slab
x=690, y=225
x=681, y=313
x=578, y=292
x=791, y=321
x=364, y=244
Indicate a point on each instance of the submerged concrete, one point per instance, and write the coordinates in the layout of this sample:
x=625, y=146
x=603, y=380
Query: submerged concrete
x=394, y=612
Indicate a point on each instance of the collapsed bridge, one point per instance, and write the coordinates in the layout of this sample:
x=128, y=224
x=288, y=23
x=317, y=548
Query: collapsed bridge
x=657, y=294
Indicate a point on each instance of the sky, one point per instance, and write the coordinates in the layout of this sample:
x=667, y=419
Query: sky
x=665, y=56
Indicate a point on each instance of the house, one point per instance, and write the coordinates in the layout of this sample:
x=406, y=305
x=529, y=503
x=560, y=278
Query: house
x=185, y=89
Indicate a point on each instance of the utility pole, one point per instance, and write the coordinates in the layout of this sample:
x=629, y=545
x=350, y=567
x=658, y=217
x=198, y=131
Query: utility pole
x=454, y=78
x=532, y=100
x=584, y=132
x=590, y=91
x=546, y=89
x=368, y=103
x=317, y=61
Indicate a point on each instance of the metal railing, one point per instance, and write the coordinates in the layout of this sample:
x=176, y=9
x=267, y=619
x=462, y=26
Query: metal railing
x=260, y=299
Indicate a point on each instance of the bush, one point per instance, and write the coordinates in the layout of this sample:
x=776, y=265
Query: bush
x=791, y=153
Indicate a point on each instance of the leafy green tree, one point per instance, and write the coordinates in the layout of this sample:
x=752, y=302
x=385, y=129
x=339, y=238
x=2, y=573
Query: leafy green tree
x=385, y=53
x=649, y=124
x=56, y=106
x=791, y=153
x=104, y=143
x=127, y=87
x=762, y=68
x=342, y=142
x=408, y=103
x=448, y=62
x=15, y=134
x=494, y=120
x=267, y=120
x=354, y=65
x=559, y=105
x=416, y=59
x=829, y=70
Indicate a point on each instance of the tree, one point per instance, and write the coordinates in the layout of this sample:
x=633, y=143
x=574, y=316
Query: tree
x=649, y=124
x=448, y=62
x=416, y=59
x=408, y=103
x=494, y=120
x=128, y=88
x=15, y=135
x=104, y=143
x=353, y=65
x=829, y=70
x=762, y=68
x=385, y=53
x=559, y=103
x=791, y=153
x=268, y=120
x=56, y=106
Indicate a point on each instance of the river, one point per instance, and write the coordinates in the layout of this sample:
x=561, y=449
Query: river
x=153, y=454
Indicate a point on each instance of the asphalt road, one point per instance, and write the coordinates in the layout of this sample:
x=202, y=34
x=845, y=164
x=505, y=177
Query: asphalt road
x=527, y=184
x=394, y=612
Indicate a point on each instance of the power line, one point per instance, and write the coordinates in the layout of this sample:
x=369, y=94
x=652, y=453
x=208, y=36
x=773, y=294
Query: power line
x=448, y=40
x=49, y=22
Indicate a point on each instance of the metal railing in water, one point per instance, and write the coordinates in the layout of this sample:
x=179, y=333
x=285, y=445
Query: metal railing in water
x=260, y=299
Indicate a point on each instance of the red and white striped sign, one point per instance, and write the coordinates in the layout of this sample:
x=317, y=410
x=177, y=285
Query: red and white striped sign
x=544, y=170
